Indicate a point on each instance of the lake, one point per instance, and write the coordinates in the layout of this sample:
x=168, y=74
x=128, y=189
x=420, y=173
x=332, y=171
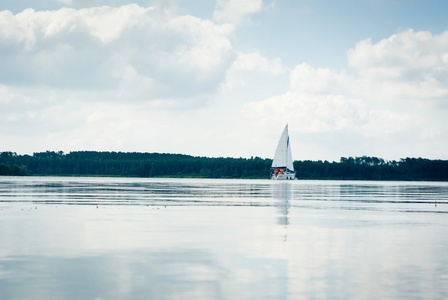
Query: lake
x=131, y=238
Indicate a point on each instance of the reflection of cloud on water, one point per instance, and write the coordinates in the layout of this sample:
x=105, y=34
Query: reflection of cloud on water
x=221, y=239
x=177, y=274
x=113, y=276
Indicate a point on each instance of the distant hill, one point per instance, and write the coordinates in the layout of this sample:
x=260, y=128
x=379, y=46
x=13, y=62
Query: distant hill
x=93, y=163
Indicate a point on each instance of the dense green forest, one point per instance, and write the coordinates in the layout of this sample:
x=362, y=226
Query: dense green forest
x=92, y=163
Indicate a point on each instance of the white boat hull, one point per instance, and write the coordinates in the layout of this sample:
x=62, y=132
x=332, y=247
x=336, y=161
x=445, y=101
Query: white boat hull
x=284, y=176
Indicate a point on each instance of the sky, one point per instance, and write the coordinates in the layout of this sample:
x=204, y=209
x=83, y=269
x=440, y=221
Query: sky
x=222, y=78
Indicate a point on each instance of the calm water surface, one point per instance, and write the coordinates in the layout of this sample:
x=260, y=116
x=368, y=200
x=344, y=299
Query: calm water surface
x=121, y=238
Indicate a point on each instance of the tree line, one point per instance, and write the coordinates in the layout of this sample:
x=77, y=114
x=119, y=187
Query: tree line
x=93, y=163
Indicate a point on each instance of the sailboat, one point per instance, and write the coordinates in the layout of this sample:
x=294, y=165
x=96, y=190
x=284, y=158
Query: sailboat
x=282, y=167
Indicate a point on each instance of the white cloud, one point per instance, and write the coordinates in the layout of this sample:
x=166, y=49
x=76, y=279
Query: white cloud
x=316, y=101
x=389, y=100
x=132, y=78
x=401, y=53
x=236, y=11
x=123, y=78
x=306, y=79
x=65, y=2
x=179, y=56
x=411, y=65
x=30, y=111
x=251, y=65
x=255, y=62
x=308, y=113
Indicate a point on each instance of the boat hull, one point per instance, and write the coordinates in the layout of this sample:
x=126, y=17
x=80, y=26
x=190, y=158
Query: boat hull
x=284, y=176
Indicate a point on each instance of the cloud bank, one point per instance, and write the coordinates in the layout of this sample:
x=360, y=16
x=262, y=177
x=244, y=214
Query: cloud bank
x=133, y=78
x=126, y=78
x=395, y=93
x=144, y=53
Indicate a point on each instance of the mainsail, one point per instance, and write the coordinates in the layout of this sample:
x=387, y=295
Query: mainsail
x=283, y=157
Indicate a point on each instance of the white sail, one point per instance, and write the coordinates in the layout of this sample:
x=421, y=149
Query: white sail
x=289, y=163
x=283, y=158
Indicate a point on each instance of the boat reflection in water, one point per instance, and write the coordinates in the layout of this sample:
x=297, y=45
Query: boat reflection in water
x=281, y=192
